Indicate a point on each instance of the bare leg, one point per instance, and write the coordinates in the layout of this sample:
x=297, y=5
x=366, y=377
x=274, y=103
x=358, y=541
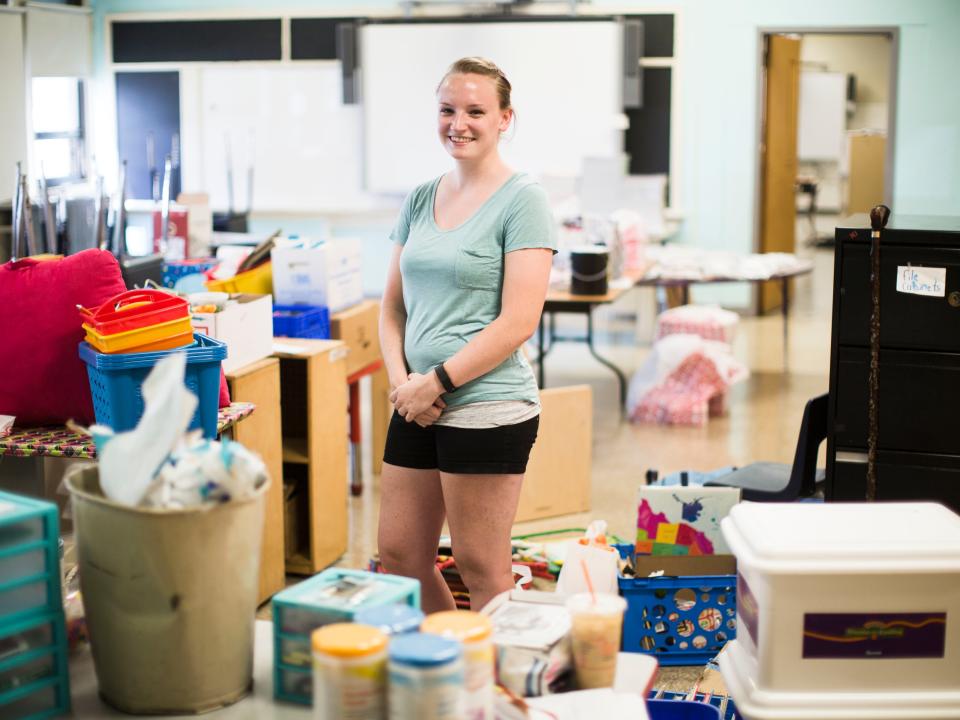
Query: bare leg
x=480, y=512
x=411, y=519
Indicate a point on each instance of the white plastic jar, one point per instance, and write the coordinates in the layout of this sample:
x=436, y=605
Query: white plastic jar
x=475, y=631
x=349, y=672
x=425, y=678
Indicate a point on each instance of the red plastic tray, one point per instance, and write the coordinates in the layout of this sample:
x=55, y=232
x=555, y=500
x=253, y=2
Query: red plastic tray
x=134, y=309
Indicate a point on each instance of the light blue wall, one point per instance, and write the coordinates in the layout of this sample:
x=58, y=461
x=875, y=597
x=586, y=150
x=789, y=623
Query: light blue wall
x=717, y=81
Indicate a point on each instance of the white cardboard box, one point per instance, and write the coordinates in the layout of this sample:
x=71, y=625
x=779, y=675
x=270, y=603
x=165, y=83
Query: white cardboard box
x=326, y=273
x=245, y=325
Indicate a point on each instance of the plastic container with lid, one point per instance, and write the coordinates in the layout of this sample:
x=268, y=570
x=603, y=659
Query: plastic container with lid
x=475, y=631
x=392, y=619
x=425, y=678
x=349, y=672
x=845, y=611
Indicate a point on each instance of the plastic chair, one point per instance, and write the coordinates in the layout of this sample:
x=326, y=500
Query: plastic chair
x=780, y=482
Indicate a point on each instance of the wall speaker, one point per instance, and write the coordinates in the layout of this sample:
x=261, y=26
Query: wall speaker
x=348, y=53
x=632, y=72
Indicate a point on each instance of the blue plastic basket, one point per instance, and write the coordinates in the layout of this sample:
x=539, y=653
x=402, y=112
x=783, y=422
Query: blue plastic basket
x=303, y=321
x=116, y=382
x=681, y=620
x=680, y=710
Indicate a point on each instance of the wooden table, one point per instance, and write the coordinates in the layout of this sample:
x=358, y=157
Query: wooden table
x=562, y=301
x=58, y=441
x=803, y=268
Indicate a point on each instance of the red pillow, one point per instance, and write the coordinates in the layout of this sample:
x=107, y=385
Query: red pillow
x=42, y=378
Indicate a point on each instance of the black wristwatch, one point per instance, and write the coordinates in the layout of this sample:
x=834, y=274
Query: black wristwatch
x=445, y=380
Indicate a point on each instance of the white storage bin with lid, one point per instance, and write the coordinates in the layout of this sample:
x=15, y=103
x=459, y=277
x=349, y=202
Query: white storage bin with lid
x=845, y=611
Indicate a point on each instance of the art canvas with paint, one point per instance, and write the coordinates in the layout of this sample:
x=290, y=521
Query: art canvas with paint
x=674, y=520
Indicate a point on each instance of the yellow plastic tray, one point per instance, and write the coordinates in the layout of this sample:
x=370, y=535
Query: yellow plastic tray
x=135, y=340
x=258, y=281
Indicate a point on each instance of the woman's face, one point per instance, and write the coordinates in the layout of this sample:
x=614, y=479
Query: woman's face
x=470, y=119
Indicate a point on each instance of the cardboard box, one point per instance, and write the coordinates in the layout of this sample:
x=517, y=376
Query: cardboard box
x=325, y=273
x=245, y=325
x=558, y=474
x=358, y=327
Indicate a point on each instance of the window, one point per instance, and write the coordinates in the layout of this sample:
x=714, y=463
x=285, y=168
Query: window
x=58, y=128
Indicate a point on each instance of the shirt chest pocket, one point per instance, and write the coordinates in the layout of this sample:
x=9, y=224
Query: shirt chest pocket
x=478, y=268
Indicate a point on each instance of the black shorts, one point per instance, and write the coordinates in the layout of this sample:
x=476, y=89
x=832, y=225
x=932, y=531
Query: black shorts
x=468, y=451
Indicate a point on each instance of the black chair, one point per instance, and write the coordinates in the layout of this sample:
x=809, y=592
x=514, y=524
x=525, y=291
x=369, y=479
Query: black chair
x=779, y=482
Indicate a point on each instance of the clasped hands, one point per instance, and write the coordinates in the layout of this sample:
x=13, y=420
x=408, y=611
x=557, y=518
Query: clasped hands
x=418, y=399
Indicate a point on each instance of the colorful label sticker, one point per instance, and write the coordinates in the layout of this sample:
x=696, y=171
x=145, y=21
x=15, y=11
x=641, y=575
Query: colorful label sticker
x=877, y=635
x=667, y=533
x=748, y=610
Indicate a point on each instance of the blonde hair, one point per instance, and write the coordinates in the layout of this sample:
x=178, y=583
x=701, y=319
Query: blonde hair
x=487, y=68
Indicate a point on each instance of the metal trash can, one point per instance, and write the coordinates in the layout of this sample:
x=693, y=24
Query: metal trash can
x=170, y=597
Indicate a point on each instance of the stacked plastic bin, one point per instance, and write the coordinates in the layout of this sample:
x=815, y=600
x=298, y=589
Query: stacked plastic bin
x=116, y=381
x=303, y=321
x=33, y=649
x=139, y=321
x=335, y=595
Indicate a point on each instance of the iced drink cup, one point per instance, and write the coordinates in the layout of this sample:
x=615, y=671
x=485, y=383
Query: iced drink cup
x=597, y=622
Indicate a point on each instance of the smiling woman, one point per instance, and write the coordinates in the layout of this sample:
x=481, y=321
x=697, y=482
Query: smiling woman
x=464, y=290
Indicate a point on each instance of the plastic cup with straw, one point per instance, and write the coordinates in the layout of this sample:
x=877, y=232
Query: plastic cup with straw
x=597, y=624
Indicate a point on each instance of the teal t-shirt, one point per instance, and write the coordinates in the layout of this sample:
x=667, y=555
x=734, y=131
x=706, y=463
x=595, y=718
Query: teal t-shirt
x=452, y=280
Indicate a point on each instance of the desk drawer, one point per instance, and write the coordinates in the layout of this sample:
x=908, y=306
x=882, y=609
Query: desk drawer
x=906, y=321
x=918, y=409
x=900, y=477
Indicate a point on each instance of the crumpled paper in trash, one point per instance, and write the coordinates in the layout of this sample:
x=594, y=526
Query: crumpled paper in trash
x=157, y=465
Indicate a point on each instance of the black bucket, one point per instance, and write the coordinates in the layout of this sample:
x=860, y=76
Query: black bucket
x=588, y=270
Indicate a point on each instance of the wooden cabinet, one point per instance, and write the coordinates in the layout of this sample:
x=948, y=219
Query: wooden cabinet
x=918, y=456
x=313, y=401
x=259, y=383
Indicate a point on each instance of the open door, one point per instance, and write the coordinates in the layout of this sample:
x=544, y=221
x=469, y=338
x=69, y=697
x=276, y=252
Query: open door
x=778, y=156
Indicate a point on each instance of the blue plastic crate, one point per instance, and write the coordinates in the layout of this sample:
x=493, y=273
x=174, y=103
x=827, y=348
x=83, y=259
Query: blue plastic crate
x=681, y=710
x=303, y=321
x=29, y=558
x=116, y=381
x=681, y=620
x=659, y=705
x=299, y=610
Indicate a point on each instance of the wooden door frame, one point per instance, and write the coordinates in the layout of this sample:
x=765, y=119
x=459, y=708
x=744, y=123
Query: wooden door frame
x=893, y=32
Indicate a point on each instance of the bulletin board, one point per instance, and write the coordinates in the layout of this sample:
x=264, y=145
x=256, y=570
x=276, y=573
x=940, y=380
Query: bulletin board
x=402, y=63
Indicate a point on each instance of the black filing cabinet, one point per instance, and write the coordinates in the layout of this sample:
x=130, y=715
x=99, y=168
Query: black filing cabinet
x=918, y=449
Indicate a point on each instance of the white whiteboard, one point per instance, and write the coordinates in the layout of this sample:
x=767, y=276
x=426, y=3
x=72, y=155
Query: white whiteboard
x=566, y=79
x=822, y=121
x=290, y=123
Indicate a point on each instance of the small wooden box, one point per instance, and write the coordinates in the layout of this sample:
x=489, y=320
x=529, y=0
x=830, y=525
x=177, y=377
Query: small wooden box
x=358, y=328
x=558, y=474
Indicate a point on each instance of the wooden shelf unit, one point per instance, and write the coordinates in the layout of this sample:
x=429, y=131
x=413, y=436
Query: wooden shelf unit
x=313, y=391
x=259, y=383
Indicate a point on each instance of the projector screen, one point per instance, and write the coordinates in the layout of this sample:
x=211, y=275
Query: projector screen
x=566, y=78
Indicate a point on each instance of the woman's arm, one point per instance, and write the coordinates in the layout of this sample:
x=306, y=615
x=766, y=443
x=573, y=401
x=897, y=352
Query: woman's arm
x=393, y=322
x=526, y=276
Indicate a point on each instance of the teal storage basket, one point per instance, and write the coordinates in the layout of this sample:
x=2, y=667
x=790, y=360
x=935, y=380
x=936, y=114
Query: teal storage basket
x=29, y=558
x=116, y=381
x=301, y=609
